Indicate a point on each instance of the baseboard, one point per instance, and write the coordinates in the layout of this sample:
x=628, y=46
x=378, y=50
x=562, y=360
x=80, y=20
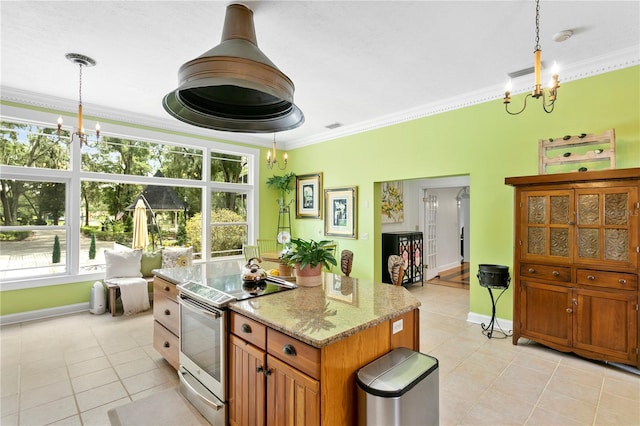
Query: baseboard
x=448, y=266
x=43, y=313
x=501, y=323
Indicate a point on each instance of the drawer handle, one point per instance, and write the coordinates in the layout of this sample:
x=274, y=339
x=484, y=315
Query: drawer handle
x=569, y=310
x=555, y=273
x=246, y=328
x=622, y=281
x=591, y=277
x=289, y=350
x=167, y=312
x=167, y=288
x=259, y=369
x=267, y=372
x=166, y=345
x=532, y=271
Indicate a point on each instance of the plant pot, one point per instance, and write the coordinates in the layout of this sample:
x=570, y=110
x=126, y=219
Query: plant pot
x=308, y=276
x=285, y=270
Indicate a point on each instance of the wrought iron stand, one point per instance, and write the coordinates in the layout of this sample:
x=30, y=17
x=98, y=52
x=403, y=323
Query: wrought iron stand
x=490, y=277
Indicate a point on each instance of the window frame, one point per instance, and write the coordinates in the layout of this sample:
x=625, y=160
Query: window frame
x=74, y=176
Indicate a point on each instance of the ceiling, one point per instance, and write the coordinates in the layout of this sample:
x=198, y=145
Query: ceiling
x=363, y=64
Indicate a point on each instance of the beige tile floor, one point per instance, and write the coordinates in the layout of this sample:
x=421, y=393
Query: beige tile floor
x=71, y=370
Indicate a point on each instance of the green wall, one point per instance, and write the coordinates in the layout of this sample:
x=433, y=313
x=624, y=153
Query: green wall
x=481, y=141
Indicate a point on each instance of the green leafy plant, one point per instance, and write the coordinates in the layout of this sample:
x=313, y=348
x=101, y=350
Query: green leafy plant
x=283, y=184
x=310, y=253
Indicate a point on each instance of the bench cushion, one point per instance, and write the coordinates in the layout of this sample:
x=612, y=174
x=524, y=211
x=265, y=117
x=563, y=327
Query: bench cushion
x=122, y=263
x=149, y=262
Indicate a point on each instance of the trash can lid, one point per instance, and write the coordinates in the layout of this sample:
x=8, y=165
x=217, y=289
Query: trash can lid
x=395, y=373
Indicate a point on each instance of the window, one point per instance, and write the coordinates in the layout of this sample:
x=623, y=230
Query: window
x=50, y=207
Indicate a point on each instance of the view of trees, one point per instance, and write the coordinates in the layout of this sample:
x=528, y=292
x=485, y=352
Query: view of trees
x=104, y=201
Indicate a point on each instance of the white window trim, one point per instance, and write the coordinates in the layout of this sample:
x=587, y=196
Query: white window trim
x=74, y=177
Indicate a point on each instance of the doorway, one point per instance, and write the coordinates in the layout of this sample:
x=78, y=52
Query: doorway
x=445, y=221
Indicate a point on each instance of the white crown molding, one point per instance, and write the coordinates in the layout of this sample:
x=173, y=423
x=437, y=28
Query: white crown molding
x=38, y=100
x=614, y=61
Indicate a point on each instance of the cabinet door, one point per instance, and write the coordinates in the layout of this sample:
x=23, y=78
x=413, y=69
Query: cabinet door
x=546, y=313
x=546, y=225
x=606, y=324
x=246, y=383
x=607, y=231
x=293, y=398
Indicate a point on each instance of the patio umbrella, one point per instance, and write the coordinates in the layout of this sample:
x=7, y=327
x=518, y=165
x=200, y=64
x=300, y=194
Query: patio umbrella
x=140, y=235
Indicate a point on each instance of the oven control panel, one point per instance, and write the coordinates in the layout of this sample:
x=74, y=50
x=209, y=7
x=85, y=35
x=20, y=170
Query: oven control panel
x=206, y=294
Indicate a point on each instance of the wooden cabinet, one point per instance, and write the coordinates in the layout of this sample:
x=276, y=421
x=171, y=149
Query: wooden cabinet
x=264, y=389
x=275, y=379
x=166, y=324
x=407, y=245
x=576, y=256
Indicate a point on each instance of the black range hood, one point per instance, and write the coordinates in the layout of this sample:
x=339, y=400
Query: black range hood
x=234, y=87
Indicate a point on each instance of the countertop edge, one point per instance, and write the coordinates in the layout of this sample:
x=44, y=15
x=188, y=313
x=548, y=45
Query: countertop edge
x=324, y=342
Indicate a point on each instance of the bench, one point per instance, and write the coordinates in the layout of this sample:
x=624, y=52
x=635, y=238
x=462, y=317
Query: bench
x=113, y=291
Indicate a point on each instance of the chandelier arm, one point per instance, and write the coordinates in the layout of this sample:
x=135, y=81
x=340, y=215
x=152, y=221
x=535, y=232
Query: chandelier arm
x=506, y=106
x=551, y=104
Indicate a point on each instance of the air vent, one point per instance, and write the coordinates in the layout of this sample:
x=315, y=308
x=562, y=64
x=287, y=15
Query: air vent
x=333, y=126
x=524, y=71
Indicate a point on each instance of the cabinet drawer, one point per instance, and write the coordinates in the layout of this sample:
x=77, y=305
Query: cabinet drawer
x=166, y=312
x=545, y=272
x=249, y=330
x=167, y=344
x=614, y=280
x=163, y=287
x=304, y=357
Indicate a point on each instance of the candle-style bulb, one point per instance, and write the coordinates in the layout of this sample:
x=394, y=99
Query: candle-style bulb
x=508, y=86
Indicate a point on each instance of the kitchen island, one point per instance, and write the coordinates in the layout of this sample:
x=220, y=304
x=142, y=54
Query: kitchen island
x=294, y=354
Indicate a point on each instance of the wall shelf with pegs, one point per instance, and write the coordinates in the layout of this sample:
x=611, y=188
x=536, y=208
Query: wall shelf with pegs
x=577, y=153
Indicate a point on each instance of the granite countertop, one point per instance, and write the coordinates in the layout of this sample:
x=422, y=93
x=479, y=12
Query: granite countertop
x=319, y=316
x=340, y=307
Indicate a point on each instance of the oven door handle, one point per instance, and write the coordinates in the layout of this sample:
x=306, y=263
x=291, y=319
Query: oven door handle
x=197, y=309
x=183, y=379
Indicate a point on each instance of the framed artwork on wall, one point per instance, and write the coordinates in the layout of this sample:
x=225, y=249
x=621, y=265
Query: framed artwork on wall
x=340, y=218
x=309, y=196
x=392, y=202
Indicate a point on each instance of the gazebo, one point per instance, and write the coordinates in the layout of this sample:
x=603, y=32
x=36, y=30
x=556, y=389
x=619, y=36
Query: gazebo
x=158, y=198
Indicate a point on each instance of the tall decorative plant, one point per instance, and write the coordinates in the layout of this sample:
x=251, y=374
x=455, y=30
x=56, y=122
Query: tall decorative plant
x=284, y=185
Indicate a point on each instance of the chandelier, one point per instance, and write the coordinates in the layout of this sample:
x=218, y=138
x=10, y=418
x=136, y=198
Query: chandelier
x=272, y=160
x=81, y=61
x=548, y=100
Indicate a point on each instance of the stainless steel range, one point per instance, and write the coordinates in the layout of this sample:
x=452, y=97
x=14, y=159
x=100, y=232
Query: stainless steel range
x=204, y=334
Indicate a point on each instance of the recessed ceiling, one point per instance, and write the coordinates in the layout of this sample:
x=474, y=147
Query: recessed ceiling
x=357, y=63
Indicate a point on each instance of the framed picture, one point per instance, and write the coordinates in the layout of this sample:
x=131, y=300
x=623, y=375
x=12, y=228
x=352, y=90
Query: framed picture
x=392, y=201
x=340, y=218
x=309, y=196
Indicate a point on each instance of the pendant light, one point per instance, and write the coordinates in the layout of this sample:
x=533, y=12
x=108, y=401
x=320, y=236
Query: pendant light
x=548, y=100
x=234, y=86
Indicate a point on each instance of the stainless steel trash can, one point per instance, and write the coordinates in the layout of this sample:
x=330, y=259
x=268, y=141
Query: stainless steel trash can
x=399, y=388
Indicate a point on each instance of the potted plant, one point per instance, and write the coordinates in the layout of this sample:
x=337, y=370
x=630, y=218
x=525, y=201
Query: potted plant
x=283, y=184
x=309, y=257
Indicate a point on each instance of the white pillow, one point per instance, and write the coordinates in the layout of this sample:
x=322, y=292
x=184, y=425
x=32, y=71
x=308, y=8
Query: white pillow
x=173, y=257
x=122, y=263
